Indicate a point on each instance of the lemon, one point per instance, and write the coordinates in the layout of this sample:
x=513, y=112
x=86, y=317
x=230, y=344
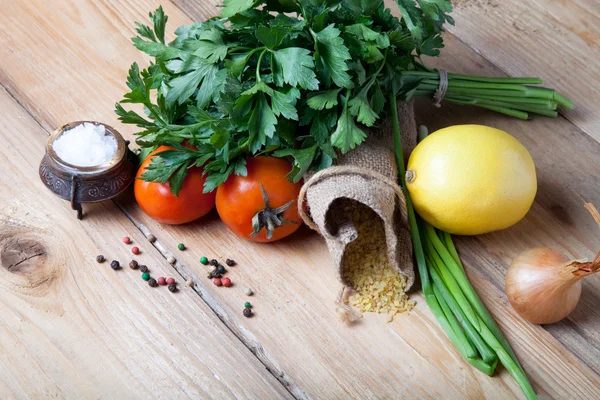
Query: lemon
x=471, y=179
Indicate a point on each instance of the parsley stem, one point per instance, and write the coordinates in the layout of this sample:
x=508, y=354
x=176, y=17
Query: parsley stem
x=262, y=54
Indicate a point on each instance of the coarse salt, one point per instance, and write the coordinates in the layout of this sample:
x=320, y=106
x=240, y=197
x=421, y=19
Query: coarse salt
x=85, y=145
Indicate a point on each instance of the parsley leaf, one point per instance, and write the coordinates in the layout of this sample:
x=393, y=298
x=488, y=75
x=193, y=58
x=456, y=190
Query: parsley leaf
x=332, y=54
x=295, y=66
x=232, y=7
x=347, y=135
x=261, y=124
x=323, y=100
x=285, y=103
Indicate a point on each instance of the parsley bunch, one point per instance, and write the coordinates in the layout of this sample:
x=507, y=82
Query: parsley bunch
x=287, y=78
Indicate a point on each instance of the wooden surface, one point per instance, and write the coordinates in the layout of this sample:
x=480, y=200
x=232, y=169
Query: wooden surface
x=71, y=328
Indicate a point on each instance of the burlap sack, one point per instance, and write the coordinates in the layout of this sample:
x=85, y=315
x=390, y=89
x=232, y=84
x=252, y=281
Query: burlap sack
x=368, y=175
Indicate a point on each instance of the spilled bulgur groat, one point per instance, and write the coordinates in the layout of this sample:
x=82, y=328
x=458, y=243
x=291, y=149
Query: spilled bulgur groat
x=378, y=286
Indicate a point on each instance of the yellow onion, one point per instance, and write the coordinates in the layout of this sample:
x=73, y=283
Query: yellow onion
x=544, y=286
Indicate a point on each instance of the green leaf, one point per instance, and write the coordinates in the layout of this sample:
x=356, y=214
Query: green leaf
x=377, y=99
x=303, y=158
x=271, y=36
x=333, y=55
x=323, y=100
x=236, y=65
x=361, y=108
x=232, y=7
x=145, y=31
x=431, y=46
x=217, y=177
x=367, y=34
x=183, y=87
x=295, y=66
x=285, y=103
x=259, y=87
x=211, y=86
x=158, y=50
x=160, y=21
x=347, y=135
x=170, y=166
x=230, y=93
x=131, y=117
x=322, y=125
x=261, y=124
x=210, y=45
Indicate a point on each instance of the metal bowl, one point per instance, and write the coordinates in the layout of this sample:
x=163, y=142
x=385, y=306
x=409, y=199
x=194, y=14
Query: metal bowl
x=88, y=184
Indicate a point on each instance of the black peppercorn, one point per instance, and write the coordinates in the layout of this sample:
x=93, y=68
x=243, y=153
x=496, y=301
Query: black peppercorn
x=247, y=312
x=143, y=268
x=216, y=274
x=230, y=262
x=173, y=288
x=100, y=259
x=214, y=262
x=221, y=269
x=134, y=264
x=115, y=265
x=152, y=282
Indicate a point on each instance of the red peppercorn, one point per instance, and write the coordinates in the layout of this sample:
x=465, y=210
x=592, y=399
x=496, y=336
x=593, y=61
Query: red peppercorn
x=226, y=282
x=126, y=240
x=217, y=282
x=135, y=250
x=170, y=281
x=162, y=281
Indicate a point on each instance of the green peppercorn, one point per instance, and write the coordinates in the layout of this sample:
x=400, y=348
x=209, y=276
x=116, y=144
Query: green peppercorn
x=247, y=305
x=146, y=276
x=204, y=260
x=181, y=246
x=221, y=269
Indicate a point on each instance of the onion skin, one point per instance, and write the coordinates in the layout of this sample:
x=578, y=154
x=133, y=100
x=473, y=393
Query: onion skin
x=541, y=285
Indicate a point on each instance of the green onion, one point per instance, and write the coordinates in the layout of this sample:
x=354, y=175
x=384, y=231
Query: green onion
x=448, y=292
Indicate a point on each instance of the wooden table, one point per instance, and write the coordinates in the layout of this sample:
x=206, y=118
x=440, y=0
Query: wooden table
x=71, y=328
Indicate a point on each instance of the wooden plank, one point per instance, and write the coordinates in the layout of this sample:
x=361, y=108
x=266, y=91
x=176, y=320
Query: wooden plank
x=72, y=328
x=556, y=40
x=293, y=279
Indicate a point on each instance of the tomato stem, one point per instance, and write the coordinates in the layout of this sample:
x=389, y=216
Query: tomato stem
x=269, y=218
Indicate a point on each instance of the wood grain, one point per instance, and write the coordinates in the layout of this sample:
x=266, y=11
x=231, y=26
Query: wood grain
x=83, y=53
x=556, y=40
x=73, y=328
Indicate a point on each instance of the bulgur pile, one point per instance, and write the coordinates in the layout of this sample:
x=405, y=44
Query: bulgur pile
x=379, y=287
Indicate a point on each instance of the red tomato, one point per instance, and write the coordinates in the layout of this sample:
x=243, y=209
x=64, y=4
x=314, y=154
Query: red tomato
x=240, y=198
x=156, y=199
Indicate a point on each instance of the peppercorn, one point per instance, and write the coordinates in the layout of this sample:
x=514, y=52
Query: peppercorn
x=181, y=246
x=230, y=262
x=115, y=265
x=204, y=260
x=247, y=312
x=152, y=282
x=135, y=250
x=209, y=275
x=173, y=288
x=151, y=238
x=127, y=240
x=100, y=258
x=214, y=262
x=162, y=281
x=189, y=282
x=217, y=282
x=143, y=268
x=221, y=269
x=248, y=291
x=213, y=268
x=247, y=304
x=170, y=281
x=133, y=264
x=145, y=276
x=215, y=274
x=171, y=260
x=226, y=282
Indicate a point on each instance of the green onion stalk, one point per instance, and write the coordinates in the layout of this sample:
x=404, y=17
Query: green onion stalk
x=516, y=97
x=447, y=290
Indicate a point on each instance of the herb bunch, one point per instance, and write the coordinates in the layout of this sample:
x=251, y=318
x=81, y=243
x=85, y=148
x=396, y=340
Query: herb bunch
x=287, y=78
